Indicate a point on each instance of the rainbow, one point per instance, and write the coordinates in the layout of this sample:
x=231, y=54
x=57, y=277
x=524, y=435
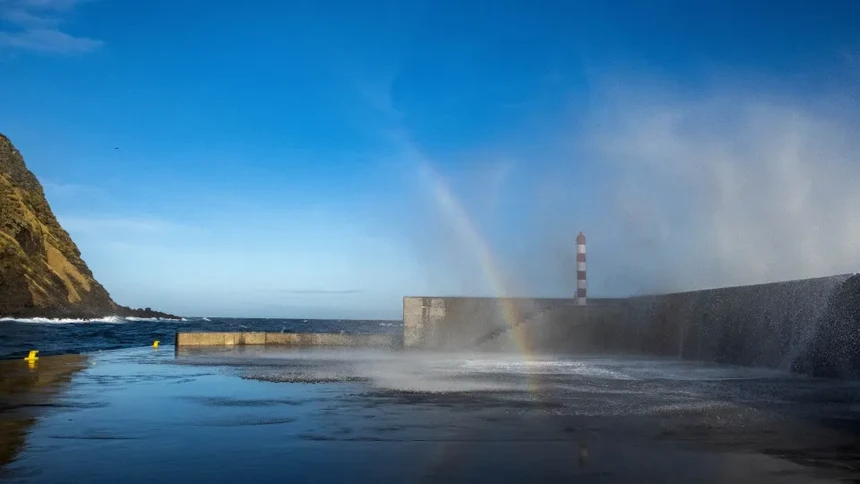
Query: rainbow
x=467, y=229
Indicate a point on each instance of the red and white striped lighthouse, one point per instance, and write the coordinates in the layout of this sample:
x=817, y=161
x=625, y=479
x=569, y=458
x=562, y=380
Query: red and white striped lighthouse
x=580, y=270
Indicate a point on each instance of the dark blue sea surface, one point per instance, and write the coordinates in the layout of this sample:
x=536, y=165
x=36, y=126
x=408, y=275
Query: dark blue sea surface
x=55, y=337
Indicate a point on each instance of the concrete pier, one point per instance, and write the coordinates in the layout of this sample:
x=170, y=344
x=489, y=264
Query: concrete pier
x=289, y=339
x=810, y=326
x=459, y=323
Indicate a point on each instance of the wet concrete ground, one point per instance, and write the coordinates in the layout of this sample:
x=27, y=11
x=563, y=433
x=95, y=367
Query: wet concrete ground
x=274, y=415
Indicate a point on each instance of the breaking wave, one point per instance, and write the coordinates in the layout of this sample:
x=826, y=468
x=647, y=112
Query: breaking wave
x=134, y=318
x=106, y=319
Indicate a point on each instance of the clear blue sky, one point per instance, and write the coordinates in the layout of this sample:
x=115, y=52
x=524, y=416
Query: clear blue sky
x=323, y=159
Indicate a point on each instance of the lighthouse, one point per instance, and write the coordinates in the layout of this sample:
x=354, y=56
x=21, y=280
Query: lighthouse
x=580, y=270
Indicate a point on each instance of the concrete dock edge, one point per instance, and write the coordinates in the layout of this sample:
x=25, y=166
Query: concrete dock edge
x=287, y=339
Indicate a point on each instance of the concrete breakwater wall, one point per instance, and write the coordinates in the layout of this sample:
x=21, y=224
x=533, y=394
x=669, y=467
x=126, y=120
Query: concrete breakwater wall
x=455, y=323
x=290, y=339
x=810, y=326
x=464, y=323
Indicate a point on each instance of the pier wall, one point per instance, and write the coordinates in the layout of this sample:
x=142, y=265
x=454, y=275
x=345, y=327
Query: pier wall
x=810, y=326
x=460, y=323
x=290, y=339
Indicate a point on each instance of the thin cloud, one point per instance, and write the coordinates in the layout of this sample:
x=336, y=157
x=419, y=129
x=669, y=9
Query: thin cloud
x=316, y=291
x=33, y=25
x=27, y=19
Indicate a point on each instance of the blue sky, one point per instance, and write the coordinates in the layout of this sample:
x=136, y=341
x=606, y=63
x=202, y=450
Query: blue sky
x=292, y=159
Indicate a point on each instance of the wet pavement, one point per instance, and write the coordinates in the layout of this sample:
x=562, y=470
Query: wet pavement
x=257, y=414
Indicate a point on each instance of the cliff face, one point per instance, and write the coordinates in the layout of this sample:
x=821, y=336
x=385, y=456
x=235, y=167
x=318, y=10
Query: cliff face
x=41, y=270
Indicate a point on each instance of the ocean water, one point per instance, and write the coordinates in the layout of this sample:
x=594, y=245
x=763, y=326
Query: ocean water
x=73, y=336
x=110, y=408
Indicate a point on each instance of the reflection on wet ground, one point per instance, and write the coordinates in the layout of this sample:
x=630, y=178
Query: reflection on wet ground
x=263, y=414
x=26, y=389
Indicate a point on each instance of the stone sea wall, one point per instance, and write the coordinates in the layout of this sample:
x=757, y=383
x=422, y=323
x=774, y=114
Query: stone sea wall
x=810, y=326
x=287, y=339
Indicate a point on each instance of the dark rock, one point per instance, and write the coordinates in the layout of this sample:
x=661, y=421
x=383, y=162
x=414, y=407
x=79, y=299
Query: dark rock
x=41, y=270
x=143, y=313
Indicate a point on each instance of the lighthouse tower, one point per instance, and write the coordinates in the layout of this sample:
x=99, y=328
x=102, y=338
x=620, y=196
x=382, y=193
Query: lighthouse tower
x=580, y=270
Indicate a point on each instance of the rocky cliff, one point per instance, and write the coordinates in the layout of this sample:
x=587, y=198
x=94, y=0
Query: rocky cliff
x=41, y=270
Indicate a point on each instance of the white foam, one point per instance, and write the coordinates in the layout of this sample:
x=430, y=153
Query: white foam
x=133, y=318
x=106, y=319
x=544, y=367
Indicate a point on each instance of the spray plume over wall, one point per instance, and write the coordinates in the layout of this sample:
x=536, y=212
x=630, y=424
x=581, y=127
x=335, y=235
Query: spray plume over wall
x=728, y=190
x=676, y=191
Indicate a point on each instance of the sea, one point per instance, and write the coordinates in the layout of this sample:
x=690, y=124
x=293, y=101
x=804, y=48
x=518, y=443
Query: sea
x=108, y=407
x=77, y=336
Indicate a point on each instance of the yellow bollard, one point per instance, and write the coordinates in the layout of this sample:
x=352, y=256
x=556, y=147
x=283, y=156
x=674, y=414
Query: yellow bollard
x=155, y=344
x=32, y=356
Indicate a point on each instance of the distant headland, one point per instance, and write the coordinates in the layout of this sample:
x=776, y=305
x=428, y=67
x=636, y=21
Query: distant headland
x=41, y=270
